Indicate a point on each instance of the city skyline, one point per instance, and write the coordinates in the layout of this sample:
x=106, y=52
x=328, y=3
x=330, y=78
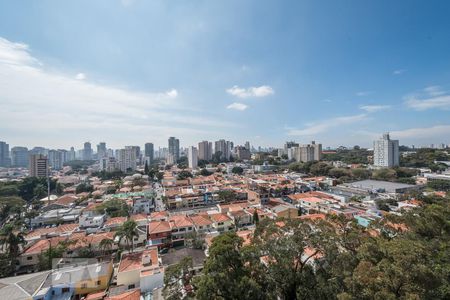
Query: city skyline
x=221, y=70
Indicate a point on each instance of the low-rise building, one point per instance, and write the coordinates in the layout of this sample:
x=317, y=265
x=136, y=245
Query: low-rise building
x=141, y=270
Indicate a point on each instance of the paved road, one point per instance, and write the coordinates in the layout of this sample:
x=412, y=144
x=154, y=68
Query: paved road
x=159, y=204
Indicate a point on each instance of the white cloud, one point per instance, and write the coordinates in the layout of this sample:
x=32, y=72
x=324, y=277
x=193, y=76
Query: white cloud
x=322, y=126
x=260, y=91
x=432, y=97
x=434, y=90
x=173, y=93
x=34, y=100
x=363, y=93
x=374, y=108
x=398, y=72
x=80, y=76
x=433, y=132
x=237, y=106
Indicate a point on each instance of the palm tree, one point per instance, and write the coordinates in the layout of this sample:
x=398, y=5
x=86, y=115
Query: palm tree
x=11, y=242
x=128, y=231
x=106, y=245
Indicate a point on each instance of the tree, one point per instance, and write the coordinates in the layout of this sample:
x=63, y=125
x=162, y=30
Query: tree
x=320, y=168
x=39, y=191
x=237, y=170
x=439, y=185
x=84, y=187
x=385, y=174
x=11, y=241
x=184, y=175
x=146, y=169
x=114, y=208
x=225, y=275
x=46, y=257
x=106, y=245
x=202, y=163
x=226, y=195
x=128, y=231
x=160, y=176
x=255, y=217
x=205, y=172
x=176, y=277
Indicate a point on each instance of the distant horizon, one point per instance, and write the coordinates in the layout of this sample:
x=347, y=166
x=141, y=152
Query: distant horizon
x=156, y=147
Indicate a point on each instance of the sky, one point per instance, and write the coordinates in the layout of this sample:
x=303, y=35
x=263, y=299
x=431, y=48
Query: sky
x=129, y=72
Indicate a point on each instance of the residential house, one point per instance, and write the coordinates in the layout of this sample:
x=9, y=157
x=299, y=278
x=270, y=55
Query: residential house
x=141, y=270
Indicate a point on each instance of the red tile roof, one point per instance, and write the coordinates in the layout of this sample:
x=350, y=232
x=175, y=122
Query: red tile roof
x=178, y=221
x=159, y=227
x=133, y=261
x=127, y=295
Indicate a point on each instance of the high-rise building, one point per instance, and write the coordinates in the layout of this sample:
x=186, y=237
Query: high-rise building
x=57, y=158
x=149, y=151
x=87, y=151
x=137, y=152
x=126, y=159
x=19, y=157
x=192, y=157
x=385, y=152
x=72, y=154
x=205, y=150
x=38, y=165
x=247, y=145
x=101, y=150
x=224, y=147
x=174, y=148
x=306, y=153
x=5, y=161
x=242, y=153
x=108, y=164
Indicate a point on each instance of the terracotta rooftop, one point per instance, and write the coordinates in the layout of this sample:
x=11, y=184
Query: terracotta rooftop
x=159, y=227
x=200, y=220
x=133, y=261
x=178, y=221
x=127, y=295
x=115, y=221
x=220, y=217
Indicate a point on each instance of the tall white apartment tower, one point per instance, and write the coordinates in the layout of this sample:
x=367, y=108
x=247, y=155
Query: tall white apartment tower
x=126, y=159
x=385, y=152
x=192, y=157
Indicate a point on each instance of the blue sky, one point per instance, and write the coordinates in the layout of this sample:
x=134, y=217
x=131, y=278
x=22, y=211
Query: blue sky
x=133, y=71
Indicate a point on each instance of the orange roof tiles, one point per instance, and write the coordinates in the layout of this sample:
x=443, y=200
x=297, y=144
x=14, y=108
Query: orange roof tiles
x=159, y=215
x=220, y=217
x=133, y=261
x=159, y=227
x=66, y=199
x=115, y=221
x=178, y=221
x=43, y=245
x=200, y=220
x=312, y=217
x=138, y=217
x=127, y=295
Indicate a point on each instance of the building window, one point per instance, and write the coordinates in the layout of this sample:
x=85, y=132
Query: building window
x=84, y=285
x=190, y=228
x=65, y=290
x=29, y=257
x=99, y=282
x=131, y=286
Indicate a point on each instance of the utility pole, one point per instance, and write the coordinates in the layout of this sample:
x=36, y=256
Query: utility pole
x=48, y=182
